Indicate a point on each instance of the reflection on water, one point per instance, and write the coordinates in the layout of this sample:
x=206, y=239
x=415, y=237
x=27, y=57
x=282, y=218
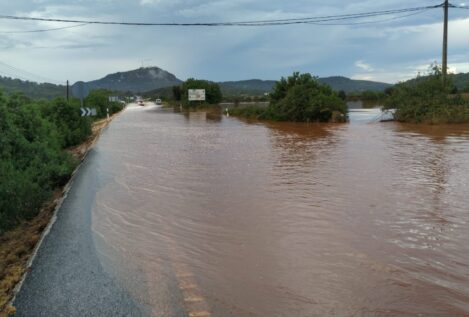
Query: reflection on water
x=229, y=218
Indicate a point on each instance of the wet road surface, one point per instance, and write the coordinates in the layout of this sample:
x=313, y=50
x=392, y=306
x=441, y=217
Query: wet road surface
x=202, y=215
x=67, y=278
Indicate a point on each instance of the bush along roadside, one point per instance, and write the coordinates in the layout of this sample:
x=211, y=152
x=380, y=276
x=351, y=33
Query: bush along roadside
x=32, y=160
x=428, y=99
x=33, y=139
x=299, y=98
x=35, y=163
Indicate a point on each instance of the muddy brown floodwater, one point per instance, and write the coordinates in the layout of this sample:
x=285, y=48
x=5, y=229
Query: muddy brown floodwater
x=203, y=215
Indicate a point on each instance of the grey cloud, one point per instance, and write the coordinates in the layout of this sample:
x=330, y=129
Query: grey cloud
x=229, y=53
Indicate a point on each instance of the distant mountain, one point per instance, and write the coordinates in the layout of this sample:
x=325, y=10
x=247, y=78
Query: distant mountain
x=352, y=85
x=249, y=87
x=461, y=81
x=32, y=89
x=259, y=87
x=138, y=80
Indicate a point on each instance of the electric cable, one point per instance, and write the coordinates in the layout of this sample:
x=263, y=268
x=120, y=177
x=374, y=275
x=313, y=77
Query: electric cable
x=307, y=20
x=44, y=30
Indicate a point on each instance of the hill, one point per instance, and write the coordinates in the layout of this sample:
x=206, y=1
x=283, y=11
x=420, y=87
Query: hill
x=249, y=87
x=352, y=85
x=138, y=80
x=32, y=89
x=259, y=87
x=461, y=81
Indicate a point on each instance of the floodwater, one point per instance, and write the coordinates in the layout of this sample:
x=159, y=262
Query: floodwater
x=206, y=215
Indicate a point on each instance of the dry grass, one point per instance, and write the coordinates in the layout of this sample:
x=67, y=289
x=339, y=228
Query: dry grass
x=17, y=245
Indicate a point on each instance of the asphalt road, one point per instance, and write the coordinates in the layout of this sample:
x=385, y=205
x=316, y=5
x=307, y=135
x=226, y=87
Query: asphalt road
x=67, y=278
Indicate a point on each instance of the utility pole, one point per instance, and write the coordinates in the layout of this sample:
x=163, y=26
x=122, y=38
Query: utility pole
x=67, y=91
x=445, y=42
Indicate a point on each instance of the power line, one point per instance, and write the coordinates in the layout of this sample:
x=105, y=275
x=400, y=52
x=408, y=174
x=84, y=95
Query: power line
x=322, y=21
x=23, y=72
x=45, y=30
x=344, y=16
x=307, y=20
x=375, y=21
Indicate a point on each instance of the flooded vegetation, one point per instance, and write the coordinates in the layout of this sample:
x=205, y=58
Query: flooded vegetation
x=213, y=215
x=431, y=99
x=299, y=98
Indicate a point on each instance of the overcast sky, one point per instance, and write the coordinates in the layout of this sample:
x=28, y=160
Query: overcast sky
x=389, y=51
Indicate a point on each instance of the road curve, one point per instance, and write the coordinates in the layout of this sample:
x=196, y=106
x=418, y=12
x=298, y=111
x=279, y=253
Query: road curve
x=67, y=278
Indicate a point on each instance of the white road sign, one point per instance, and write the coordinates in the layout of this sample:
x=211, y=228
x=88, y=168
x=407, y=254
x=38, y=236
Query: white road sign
x=86, y=112
x=196, y=94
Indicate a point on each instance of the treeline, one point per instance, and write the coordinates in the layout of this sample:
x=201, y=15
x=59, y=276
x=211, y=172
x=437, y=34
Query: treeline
x=216, y=92
x=33, y=161
x=367, y=95
x=32, y=89
x=236, y=99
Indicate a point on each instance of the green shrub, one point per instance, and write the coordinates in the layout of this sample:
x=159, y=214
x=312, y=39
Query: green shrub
x=302, y=98
x=71, y=127
x=32, y=159
x=428, y=99
x=115, y=107
x=99, y=99
x=33, y=162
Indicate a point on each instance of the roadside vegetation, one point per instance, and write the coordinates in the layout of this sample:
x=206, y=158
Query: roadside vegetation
x=299, y=98
x=428, y=99
x=35, y=162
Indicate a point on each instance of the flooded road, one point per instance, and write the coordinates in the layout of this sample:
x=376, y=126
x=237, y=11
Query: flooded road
x=204, y=215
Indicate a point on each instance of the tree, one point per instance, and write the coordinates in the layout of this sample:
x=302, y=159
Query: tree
x=342, y=95
x=177, y=93
x=301, y=97
x=99, y=99
x=213, y=93
x=388, y=91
